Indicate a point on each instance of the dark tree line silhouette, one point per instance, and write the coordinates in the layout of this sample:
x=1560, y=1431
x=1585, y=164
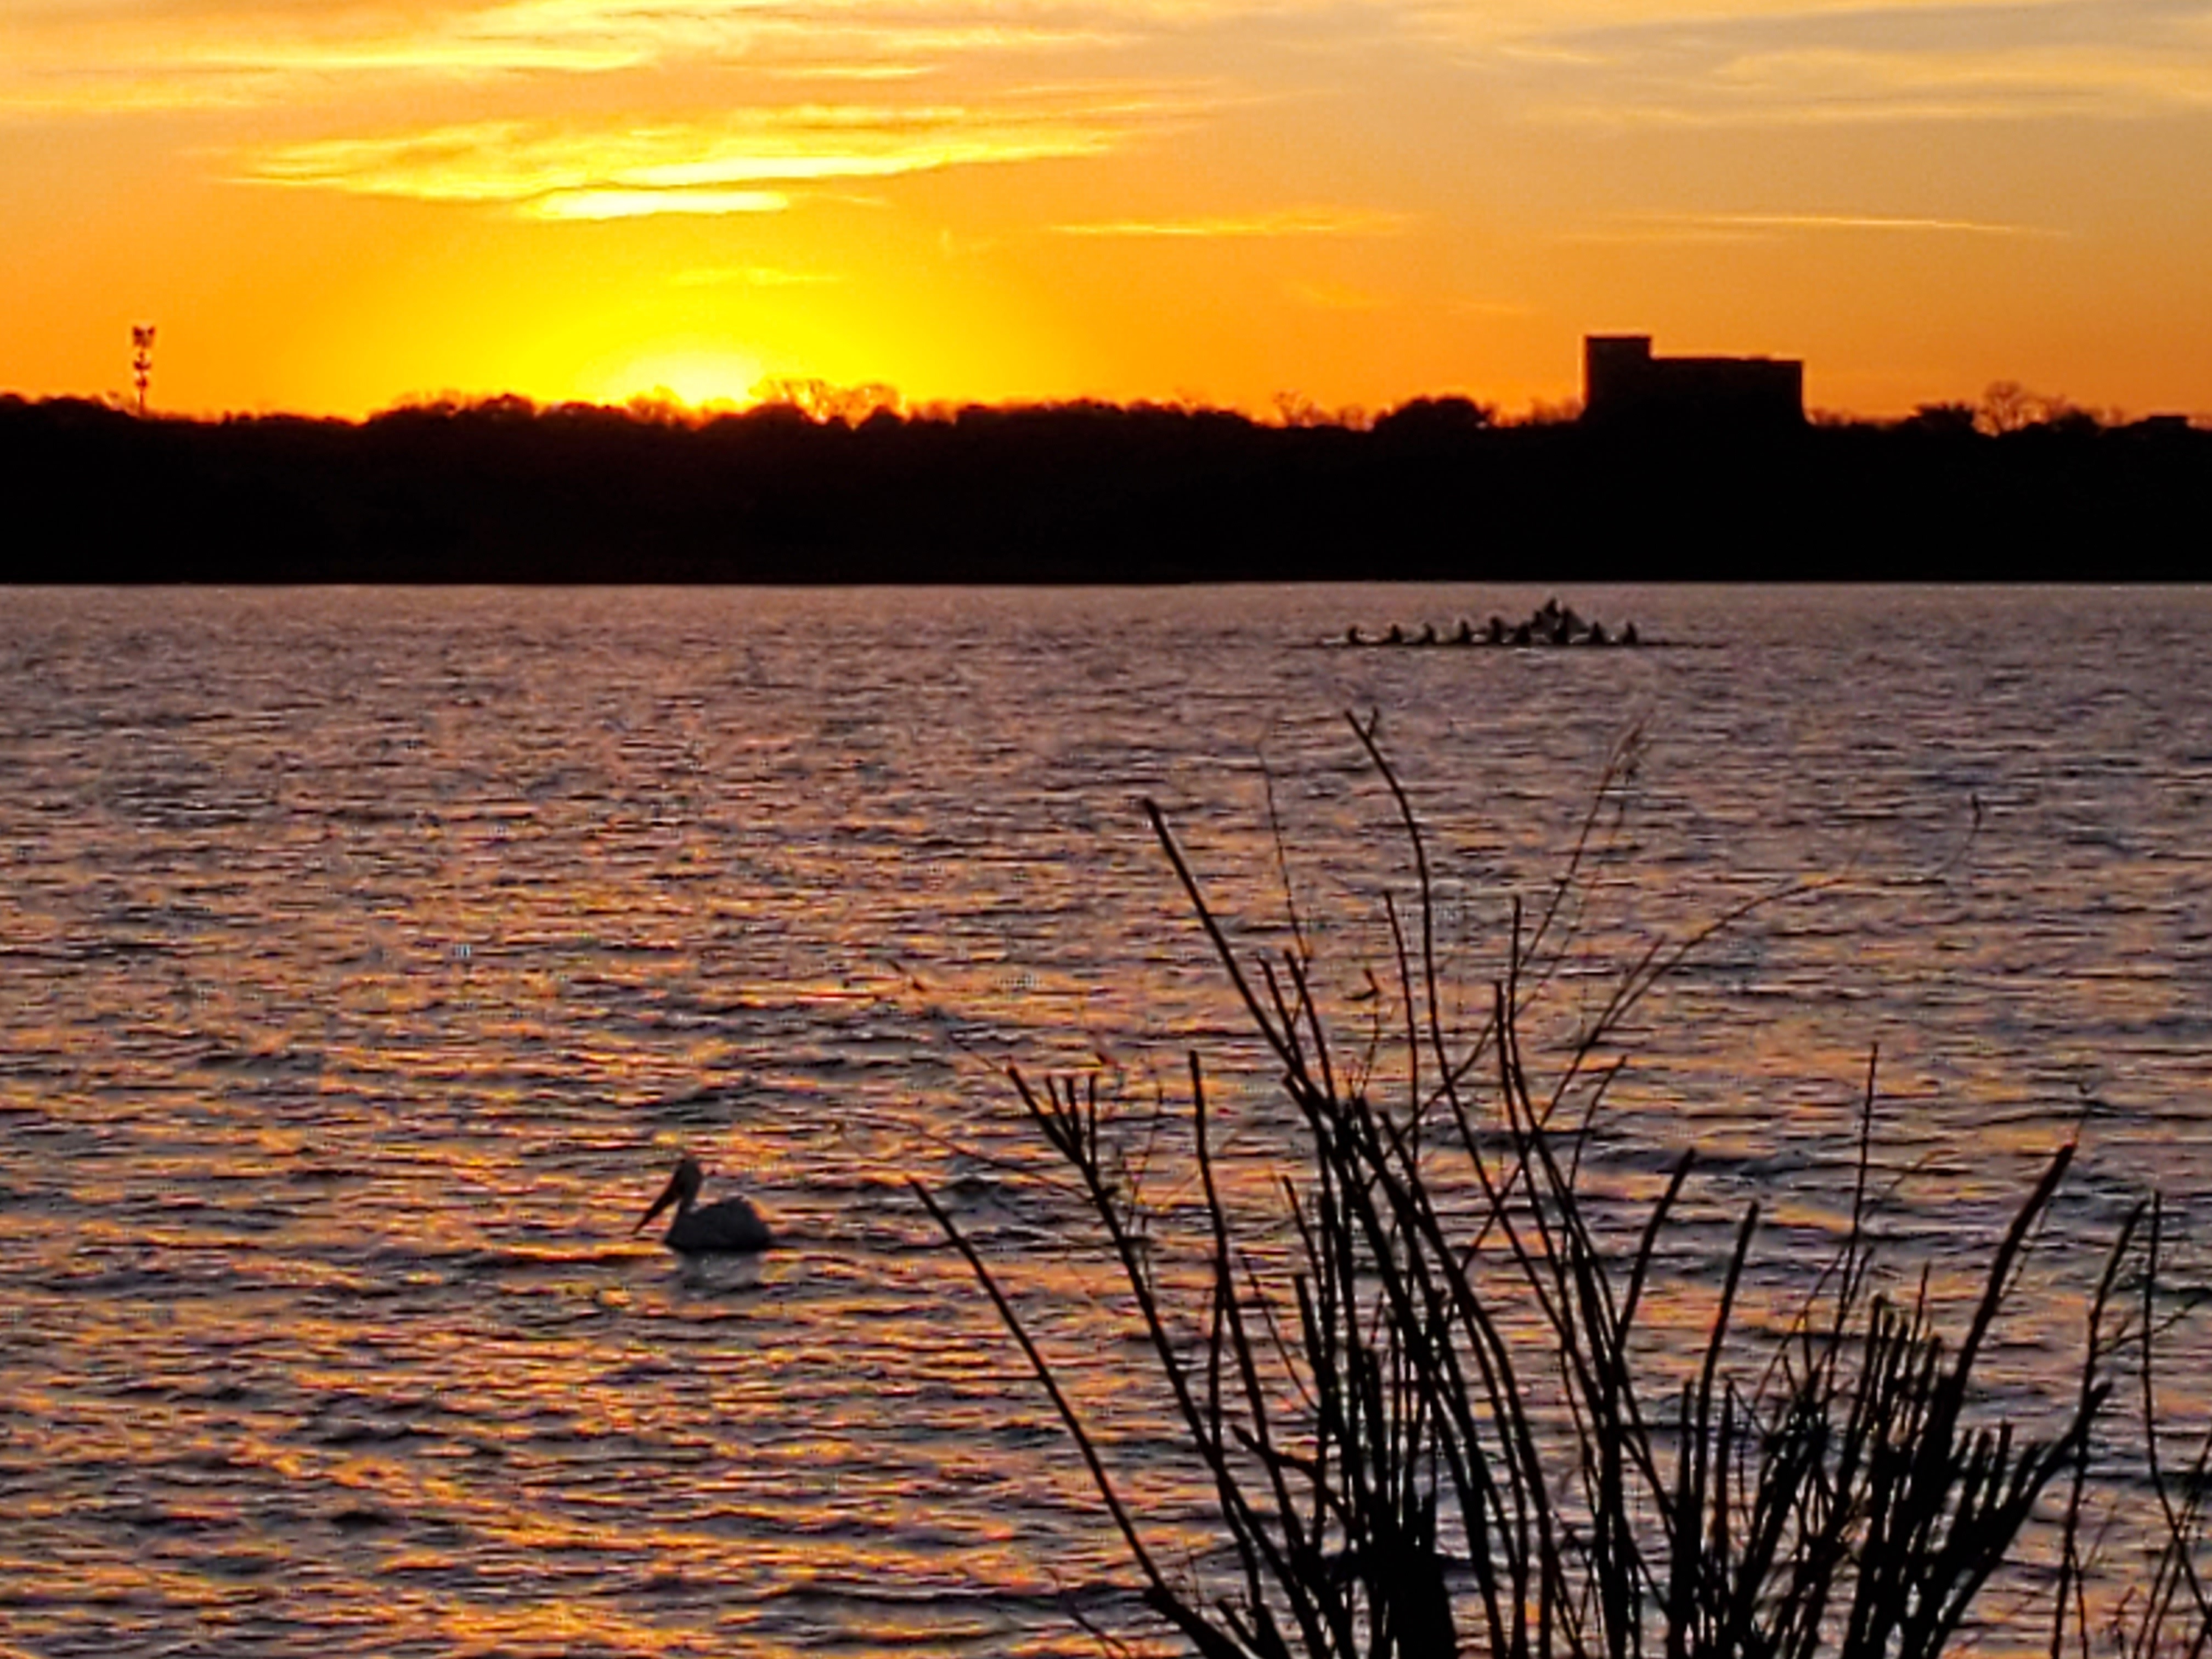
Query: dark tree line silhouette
x=504, y=490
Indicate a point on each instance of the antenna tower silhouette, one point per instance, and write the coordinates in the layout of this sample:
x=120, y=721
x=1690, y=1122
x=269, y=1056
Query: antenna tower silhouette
x=141, y=360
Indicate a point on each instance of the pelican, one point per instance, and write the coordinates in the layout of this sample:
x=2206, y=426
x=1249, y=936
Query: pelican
x=728, y=1226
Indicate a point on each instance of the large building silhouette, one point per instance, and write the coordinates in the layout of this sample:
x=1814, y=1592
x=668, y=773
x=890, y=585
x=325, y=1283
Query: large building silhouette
x=1623, y=384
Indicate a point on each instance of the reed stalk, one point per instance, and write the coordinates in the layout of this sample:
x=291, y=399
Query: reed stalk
x=1430, y=1424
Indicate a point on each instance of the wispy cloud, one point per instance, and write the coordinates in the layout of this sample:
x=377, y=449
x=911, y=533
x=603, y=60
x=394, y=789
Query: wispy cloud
x=1284, y=222
x=1856, y=83
x=642, y=204
x=97, y=58
x=750, y=276
x=1589, y=62
x=1874, y=221
x=741, y=163
x=105, y=60
x=852, y=71
x=1764, y=227
x=1901, y=61
x=1707, y=63
x=481, y=161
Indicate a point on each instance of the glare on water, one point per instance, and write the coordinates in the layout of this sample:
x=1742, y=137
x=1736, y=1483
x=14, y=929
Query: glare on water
x=369, y=956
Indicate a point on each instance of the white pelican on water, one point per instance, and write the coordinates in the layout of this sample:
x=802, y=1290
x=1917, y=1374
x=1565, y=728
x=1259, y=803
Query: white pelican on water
x=728, y=1226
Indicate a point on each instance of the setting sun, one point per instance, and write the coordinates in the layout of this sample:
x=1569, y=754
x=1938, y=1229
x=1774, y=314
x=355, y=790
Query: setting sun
x=701, y=377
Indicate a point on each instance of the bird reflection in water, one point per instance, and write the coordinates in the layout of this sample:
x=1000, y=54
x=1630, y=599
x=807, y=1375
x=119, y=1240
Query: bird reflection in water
x=729, y=1226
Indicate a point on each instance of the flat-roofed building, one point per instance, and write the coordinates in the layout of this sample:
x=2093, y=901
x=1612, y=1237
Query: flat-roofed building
x=1624, y=384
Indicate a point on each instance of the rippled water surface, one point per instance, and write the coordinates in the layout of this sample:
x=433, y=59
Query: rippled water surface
x=369, y=956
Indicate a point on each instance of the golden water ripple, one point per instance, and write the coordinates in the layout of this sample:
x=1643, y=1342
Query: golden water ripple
x=369, y=956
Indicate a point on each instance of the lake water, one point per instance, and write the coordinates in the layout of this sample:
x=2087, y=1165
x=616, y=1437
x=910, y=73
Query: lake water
x=368, y=957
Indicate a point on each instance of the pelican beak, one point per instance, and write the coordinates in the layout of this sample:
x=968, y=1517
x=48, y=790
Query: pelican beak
x=667, y=1196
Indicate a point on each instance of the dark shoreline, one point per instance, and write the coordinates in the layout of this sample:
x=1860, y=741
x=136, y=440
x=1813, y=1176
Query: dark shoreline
x=1079, y=493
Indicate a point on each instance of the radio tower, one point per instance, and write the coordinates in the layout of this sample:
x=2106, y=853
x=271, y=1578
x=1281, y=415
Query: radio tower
x=141, y=360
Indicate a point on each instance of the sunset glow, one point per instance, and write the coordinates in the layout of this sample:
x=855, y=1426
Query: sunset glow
x=333, y=206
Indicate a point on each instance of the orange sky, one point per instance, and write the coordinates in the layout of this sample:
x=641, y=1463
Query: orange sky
x=328, y=206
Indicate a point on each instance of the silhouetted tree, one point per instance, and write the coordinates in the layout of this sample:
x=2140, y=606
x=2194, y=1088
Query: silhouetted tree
x=2007, y=406
x=1436, y=417
x=823, y=401
x=1956, y=419
x=500, y=489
